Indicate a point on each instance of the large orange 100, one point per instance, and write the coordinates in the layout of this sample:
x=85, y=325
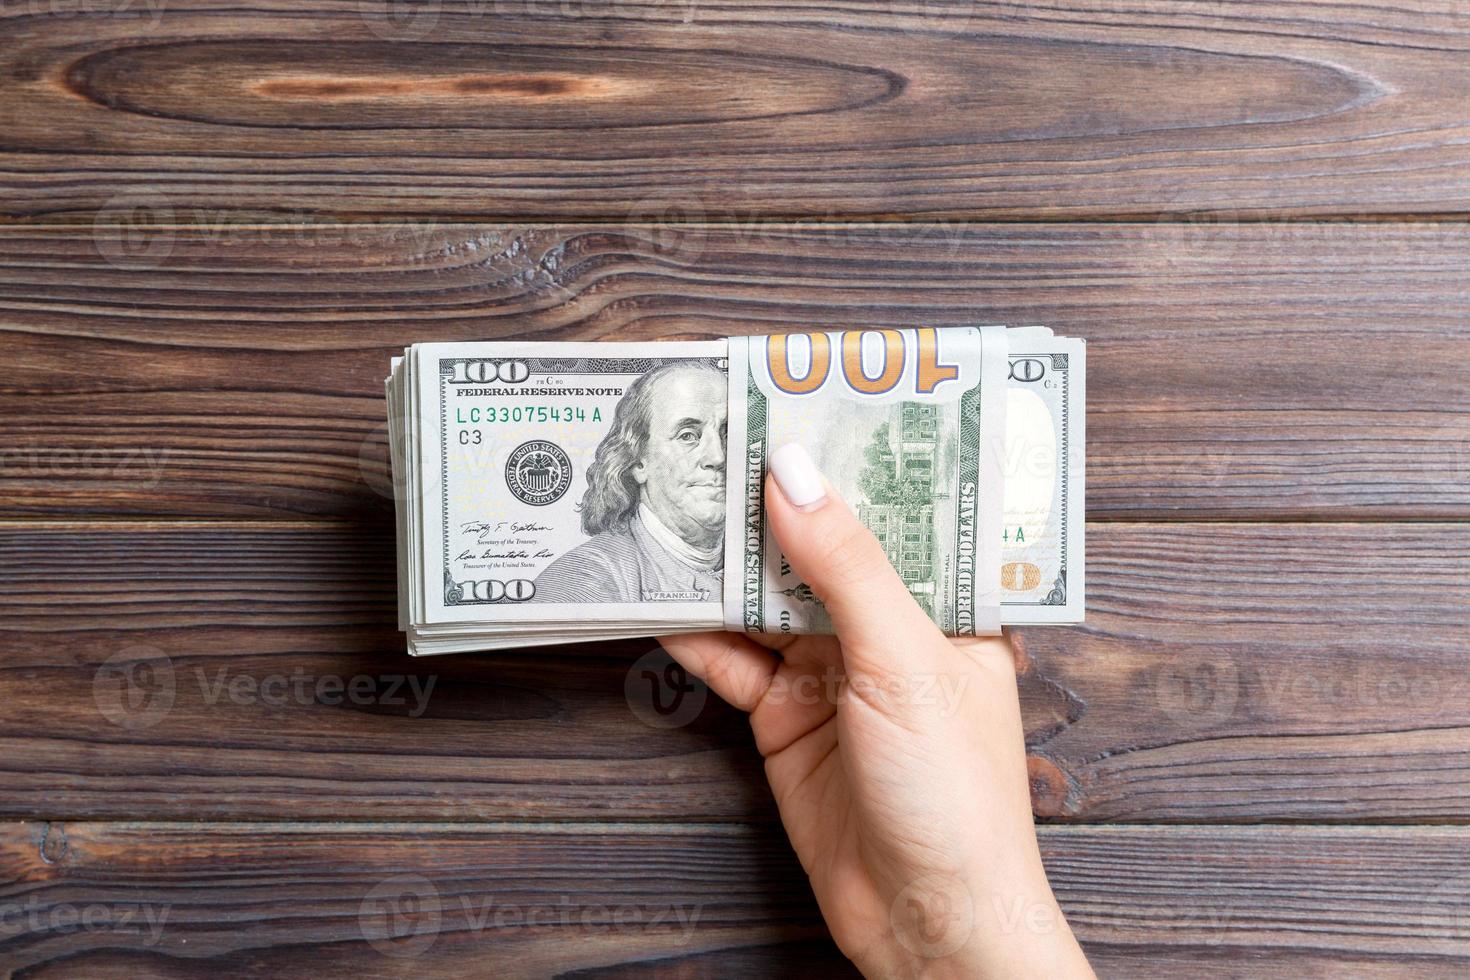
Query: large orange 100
x=779, y=359
x=930, y=373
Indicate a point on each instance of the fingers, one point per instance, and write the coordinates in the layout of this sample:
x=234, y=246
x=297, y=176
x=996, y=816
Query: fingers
x=872, y=610
x=734, y=667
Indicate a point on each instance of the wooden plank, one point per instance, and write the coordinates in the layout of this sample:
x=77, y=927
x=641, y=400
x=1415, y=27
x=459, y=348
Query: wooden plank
x=398, y=900
x=1154, y=902
x=1248, y=672
x=186, y=900
x=1299, y=370
x=1225, y=672
x=1077, y=108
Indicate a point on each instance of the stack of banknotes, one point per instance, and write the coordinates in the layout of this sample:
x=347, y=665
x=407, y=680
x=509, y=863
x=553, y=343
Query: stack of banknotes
x=560, y=492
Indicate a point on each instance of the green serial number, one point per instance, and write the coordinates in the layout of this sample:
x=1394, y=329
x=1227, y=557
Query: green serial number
x=526, y=413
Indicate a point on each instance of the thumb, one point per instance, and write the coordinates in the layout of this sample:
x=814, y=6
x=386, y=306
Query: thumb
x=875, y=616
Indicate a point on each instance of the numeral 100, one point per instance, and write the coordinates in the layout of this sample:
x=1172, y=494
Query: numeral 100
x=492, y=590
x=484, y=372
x=930, y=373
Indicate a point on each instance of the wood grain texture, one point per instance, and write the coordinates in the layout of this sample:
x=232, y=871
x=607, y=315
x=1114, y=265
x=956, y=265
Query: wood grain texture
x=519, y=109
x=187, y=334
x=1225, y=672
x=425, y=900
x=1287, y=371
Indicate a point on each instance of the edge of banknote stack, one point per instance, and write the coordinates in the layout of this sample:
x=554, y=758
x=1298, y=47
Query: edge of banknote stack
x=549, y=493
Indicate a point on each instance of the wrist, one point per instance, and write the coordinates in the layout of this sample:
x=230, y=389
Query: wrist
x=946, y=927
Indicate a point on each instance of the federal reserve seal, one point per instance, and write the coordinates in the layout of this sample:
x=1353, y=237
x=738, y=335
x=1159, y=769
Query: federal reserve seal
x=538, y=472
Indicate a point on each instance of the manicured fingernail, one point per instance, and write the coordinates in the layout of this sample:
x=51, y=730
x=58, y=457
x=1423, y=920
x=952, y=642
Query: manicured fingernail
x=798, y=477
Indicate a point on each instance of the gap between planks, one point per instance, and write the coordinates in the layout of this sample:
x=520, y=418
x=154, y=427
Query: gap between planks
x=1122, y=219
x=1265, y=829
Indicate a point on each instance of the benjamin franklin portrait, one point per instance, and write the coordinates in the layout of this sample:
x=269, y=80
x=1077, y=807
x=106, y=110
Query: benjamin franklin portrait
x=655, y=503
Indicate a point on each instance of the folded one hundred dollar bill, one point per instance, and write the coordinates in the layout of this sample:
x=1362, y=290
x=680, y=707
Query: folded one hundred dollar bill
x=554, y=492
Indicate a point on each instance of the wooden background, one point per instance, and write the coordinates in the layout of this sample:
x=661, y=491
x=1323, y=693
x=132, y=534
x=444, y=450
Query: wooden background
x=220, y=221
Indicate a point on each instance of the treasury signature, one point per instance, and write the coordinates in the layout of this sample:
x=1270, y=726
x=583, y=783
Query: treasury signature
x=470, y=555
x=485, y=529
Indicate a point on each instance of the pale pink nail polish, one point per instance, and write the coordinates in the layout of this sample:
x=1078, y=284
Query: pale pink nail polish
x=798, y=477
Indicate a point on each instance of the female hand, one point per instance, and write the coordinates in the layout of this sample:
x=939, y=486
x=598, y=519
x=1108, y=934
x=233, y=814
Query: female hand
x=896, y=757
